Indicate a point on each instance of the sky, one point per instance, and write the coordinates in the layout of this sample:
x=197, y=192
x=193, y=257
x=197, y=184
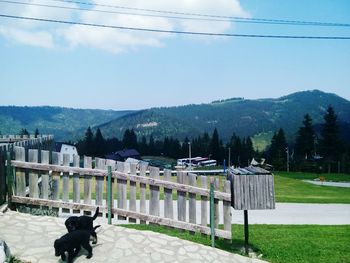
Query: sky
x=78, y=66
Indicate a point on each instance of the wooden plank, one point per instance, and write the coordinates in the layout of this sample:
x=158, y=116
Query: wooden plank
x=241, y=180
x=143, y=168
x=181, y=197
x=87, y=183
x=33, y=174
x=121, y=192
x=236, y=192
x=272, y=191
x=76, y=182
x=268, y=204
x=168, y=196
x=154, y=192
x=101, y=165
x=126, y=213
x=65, y=178
x=255, y=182
x=20, y=173
x=227, y=208
x=132, y=201
x=263, y=188
x=65, y=182
x=121, y=175
x=55, y=177
x=204, y=203
x=216, y=204
x=45, y=158
x=192, y=180
x=251, y=192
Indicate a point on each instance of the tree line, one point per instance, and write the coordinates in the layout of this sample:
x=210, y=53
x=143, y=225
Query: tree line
x=320, y=151
x=312, y=150
x=204, y=145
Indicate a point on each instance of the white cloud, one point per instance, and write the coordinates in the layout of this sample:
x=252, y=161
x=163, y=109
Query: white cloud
x=49, y=35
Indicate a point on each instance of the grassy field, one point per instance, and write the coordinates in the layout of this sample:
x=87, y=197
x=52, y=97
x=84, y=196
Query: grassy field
x=332, y=177
x=289, y=187
x=280, y=243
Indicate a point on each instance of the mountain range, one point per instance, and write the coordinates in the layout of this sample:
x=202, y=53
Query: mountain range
x=244, y=117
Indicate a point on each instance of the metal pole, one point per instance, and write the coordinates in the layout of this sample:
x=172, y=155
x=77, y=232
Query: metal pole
x=229, y=157
x=189, y=154
x=246, y=232
x=287, y=159
x=109, y=195
x=212, y=211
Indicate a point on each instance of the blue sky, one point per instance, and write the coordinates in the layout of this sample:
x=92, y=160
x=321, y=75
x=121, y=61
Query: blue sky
x=50, y=64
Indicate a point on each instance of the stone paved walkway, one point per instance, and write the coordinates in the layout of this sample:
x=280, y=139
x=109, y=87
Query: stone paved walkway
x=31, y=239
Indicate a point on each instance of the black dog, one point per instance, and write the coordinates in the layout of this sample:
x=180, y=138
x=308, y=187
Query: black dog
x=74, y=223
x=72, y=243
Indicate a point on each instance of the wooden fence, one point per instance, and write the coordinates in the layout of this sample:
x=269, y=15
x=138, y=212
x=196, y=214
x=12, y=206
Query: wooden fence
x=60, y=188
x=7, y=142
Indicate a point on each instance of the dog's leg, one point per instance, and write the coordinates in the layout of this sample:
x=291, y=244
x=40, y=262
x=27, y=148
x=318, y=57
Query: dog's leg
x=88, y=248
x=63, y=256
x=70, y=256
x=94, y=237
x=76, y=252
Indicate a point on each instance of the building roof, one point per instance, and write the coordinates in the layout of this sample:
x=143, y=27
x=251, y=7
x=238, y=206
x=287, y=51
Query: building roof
x=127, y=153
x=58, y=145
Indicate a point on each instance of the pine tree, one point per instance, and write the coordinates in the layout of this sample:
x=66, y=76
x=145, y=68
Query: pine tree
x=88, y=143
x=330, y=143
x=36, y=133
x=215, y=146
x=305, y=141
x=130, y=139
x=277, y=151
x=99, y=144
x=143, y=147
x=24, y=132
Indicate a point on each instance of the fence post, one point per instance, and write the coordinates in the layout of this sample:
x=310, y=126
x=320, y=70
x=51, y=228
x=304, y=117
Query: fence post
x=76, y=182
x=9, y=179
x=33, y=175
x=65, y=182
x=20, y=173
x=204, y=203
x=154, y=192
x=109, y=198
x=168, y=196
x=192, y=178
x=132, y=201
x=99, y=164
x=181, y=197
x=121, y=189
x=212, y=212
x=143, y=168
x=87, y=184
x=45, y=176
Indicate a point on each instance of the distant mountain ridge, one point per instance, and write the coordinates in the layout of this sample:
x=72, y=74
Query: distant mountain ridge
x=258, y=118
x=64, y=123
x=238, y=115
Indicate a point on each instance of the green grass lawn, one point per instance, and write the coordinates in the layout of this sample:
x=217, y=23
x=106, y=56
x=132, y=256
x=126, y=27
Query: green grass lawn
x=289, y=189
x=334, y=177
x=279, y=243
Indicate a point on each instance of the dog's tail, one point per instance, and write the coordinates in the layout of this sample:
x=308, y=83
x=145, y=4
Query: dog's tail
x=96, y=214
x=95, y=227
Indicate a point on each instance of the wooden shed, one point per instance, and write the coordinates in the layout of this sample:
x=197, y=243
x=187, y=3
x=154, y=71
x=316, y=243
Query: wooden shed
x=251, y=188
